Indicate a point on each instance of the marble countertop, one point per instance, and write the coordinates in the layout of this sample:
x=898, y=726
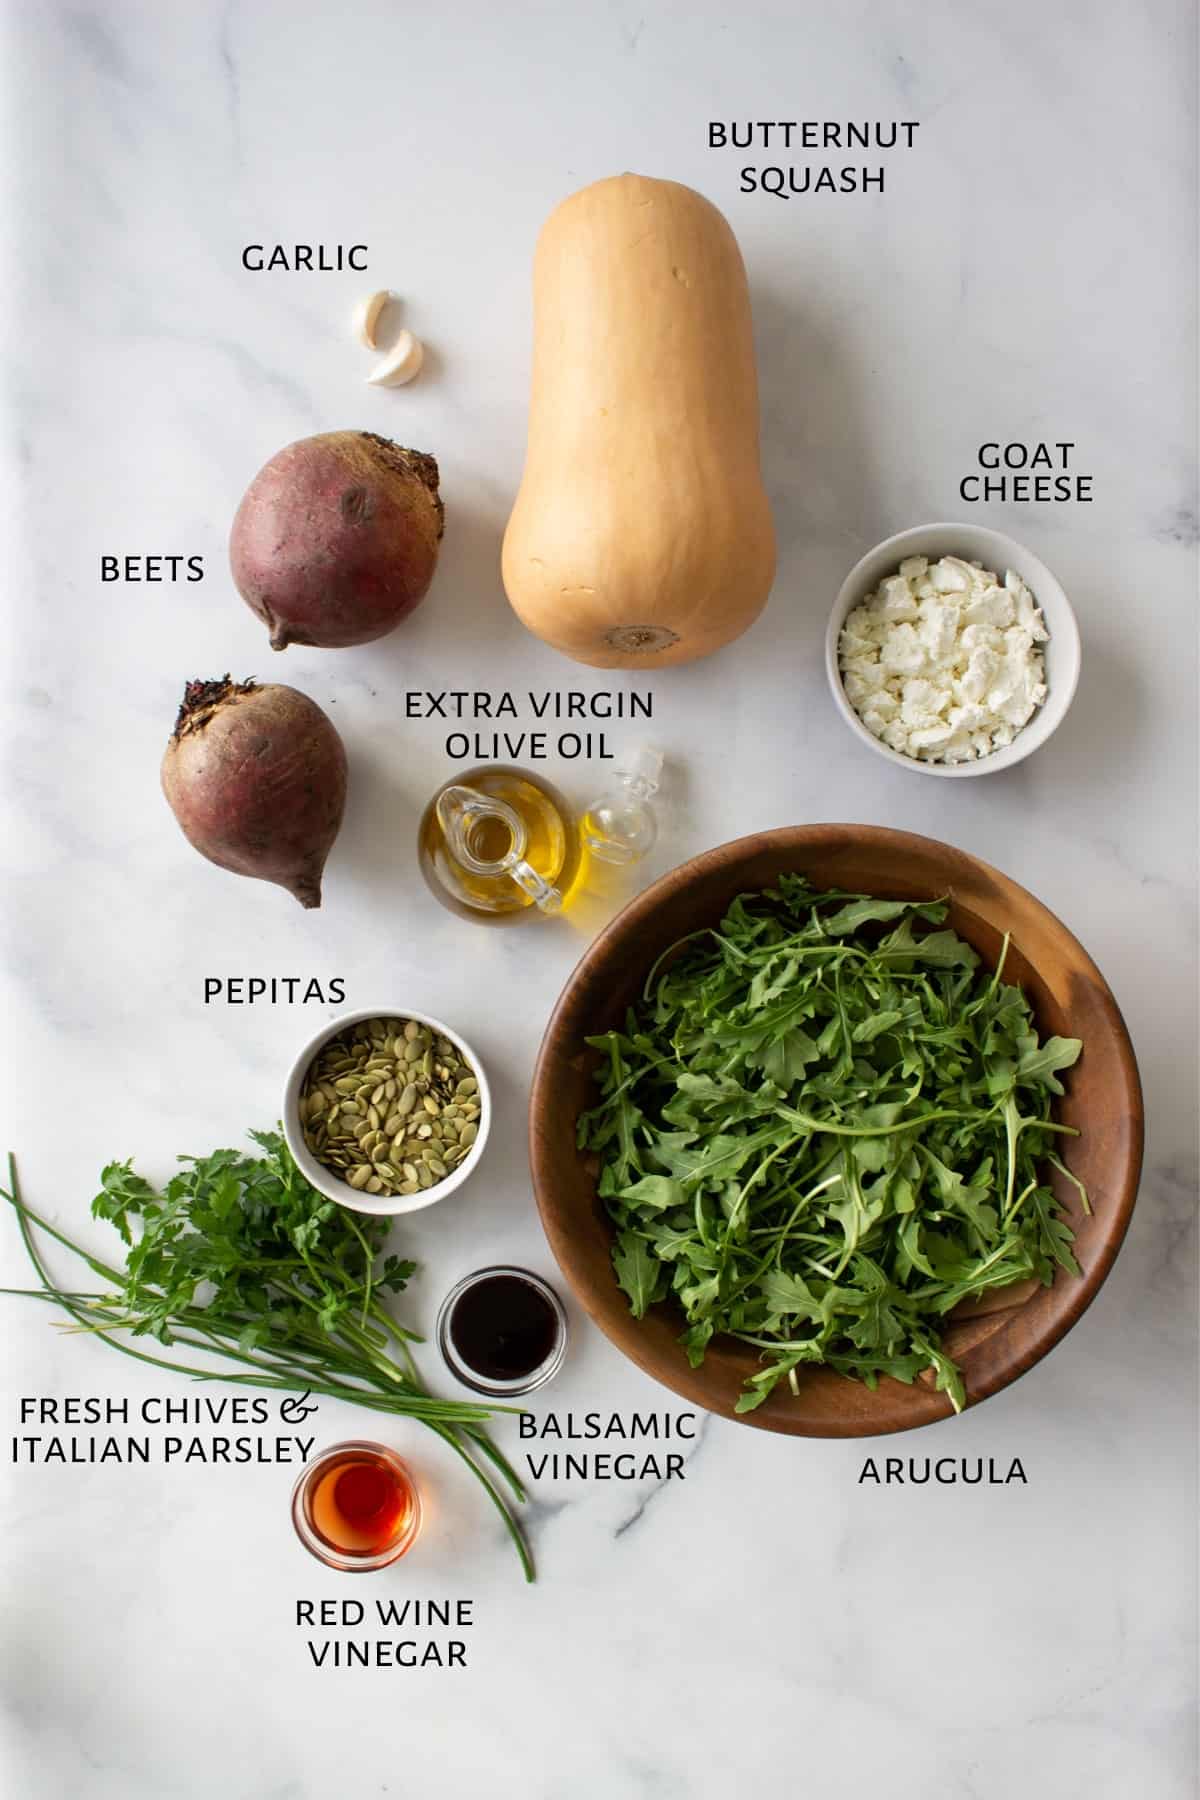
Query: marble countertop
x=769, y=1621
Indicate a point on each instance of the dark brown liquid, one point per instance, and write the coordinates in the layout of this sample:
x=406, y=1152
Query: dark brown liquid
x=503, y=1328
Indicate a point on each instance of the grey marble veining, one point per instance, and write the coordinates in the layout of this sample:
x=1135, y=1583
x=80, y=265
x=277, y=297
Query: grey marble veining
x=769, y=1622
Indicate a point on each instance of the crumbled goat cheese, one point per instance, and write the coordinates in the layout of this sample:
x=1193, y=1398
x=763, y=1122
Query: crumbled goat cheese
x=943, y=662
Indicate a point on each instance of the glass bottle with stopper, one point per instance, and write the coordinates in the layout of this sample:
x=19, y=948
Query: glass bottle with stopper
x=498, y=846
x=619, y=826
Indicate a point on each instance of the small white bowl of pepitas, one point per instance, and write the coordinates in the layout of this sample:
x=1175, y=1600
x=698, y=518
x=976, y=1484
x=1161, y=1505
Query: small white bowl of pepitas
x=386, y=1111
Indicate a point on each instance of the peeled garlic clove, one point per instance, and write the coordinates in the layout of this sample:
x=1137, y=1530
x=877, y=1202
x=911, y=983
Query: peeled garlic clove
x=366, y=317
x=401, y=363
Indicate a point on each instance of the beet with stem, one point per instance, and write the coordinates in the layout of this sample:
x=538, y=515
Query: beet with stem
x=256, y=777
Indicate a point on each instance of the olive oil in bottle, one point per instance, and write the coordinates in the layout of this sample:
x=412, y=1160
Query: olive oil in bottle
x=500, y=845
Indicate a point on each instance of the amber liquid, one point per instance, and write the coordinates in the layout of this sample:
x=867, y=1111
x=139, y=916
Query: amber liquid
x=360, y=1505
x=552, y=847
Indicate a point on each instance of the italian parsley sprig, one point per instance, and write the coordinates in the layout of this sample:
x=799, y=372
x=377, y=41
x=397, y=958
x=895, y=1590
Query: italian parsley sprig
x=823, y=1128
x=239, y=1256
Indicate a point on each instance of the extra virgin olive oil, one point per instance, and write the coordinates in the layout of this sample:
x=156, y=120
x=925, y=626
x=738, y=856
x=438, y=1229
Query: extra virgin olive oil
x=499, y=845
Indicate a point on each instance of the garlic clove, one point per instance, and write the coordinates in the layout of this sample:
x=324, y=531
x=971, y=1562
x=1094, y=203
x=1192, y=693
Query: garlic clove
x=401, y=363
x=366, y=317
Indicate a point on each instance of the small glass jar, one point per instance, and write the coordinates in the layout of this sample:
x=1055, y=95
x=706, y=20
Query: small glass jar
x=502, y=1331
x=356, y=1506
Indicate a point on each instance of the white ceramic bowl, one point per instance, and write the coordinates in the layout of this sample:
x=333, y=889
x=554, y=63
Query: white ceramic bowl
x=381, y=1205
x=995, y=550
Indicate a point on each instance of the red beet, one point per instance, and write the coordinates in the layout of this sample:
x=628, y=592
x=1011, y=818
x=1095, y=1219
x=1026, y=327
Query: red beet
x=256, y=777
x=336, y=538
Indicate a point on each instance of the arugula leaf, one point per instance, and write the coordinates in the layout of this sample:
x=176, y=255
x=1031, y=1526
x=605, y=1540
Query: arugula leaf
x=658, y=1192
x=785, y=1058
x=787, y=1293
x=695, y=1341
x=857, y=913
x=1042, y=1064
x=878, y=1325
x=638, y=1271
x=875, y=1024
x=971, y=1202
x=759, y=1386
x=945, y=950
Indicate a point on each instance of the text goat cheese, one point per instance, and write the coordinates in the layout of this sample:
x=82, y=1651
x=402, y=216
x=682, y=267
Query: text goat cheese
x=942, y=663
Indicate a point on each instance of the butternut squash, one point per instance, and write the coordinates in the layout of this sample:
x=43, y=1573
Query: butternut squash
x=641, y=535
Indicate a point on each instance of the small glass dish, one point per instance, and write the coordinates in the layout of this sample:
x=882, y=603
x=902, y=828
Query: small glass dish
x=486, y=1306
x=356, y=1506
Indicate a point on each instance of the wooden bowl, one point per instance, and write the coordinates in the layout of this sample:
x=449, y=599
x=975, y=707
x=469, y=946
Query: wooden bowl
x=1013, y=1329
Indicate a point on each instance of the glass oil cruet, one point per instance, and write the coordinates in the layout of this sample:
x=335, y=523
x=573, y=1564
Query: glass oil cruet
x=499, y=845
x=619, y=826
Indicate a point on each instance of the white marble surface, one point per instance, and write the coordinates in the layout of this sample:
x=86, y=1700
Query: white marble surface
x=768, y=1623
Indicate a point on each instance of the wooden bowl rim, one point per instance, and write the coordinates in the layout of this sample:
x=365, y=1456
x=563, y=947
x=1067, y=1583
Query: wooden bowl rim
x=917, y=1405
